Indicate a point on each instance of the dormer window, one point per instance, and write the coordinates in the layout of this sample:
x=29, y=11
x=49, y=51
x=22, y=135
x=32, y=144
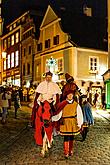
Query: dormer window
x=39, y=47
x=10, y=28
x=56, y=40
x=17, y=37
x=14, y=25
x=47, y=43
x=87, y=11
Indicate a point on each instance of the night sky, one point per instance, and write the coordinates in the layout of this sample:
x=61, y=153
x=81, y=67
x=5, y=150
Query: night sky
x=14, y=8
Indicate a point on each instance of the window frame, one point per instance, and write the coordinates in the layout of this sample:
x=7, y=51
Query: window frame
x=56, y=40
x=60, y=68
x=12, y=60
x=12, y=40
x=16, y=58
x=47, y=43
x=93, y=65
x=8, y=61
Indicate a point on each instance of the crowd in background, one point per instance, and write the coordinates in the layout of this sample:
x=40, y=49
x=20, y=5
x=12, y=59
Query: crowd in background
x=15, y=94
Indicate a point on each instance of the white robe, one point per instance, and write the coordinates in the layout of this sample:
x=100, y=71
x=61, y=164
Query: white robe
x=48, y=91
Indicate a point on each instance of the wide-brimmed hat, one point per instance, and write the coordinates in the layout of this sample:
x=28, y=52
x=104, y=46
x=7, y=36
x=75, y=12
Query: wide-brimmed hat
x=68, y=77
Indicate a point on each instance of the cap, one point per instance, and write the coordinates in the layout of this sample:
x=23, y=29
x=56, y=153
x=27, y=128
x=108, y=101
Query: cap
x=68, y=77
x=49, y=73
x=68, y=92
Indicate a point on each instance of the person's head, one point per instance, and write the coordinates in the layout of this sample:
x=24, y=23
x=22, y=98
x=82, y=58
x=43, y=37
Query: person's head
x=69, y=95
x=68, y=78
x=48, y=76
x=84, y=99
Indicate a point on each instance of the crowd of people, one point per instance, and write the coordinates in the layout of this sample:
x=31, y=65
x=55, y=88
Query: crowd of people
x=56, y=110
x=7, y=96
x=13, y=95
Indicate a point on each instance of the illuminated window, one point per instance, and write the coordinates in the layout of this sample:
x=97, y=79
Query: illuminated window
x=12, y=40
x=87, y=10
x=8, y=61
x=93, y=63
x=60, y=64
x=17, y=58
x=4, y=64
x=23, y=19
x=17, y=37
x=14, y=25
x=8, y=42
x=12, y=59
x=4, y=44
x=10, y=28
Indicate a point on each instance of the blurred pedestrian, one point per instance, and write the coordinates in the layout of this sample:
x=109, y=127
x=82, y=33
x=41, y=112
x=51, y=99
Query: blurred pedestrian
x=25, y=94
x=96, y=95
x=16, y=100
x=103, y=100
x=9, y=100
x=87, y=116
x=4, y=104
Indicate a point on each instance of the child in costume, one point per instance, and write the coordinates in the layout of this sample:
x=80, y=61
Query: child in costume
x=71, y=120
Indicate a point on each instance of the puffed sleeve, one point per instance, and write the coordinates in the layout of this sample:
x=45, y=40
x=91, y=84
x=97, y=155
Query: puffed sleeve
x=79, y=116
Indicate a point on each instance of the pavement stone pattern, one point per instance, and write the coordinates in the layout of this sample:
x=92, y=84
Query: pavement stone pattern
x=22, y=150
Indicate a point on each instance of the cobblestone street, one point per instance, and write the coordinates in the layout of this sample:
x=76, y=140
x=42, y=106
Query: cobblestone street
x=17, y=145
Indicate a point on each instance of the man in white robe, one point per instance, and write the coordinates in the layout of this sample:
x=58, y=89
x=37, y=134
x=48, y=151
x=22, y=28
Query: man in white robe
x=46, y=90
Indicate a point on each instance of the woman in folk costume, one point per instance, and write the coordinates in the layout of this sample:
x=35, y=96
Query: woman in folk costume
x=87, y=116
x=71, y=121
x=47, y=96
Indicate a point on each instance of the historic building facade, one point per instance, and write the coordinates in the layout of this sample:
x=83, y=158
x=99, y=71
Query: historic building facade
x=11, y=47
x=19, y=44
